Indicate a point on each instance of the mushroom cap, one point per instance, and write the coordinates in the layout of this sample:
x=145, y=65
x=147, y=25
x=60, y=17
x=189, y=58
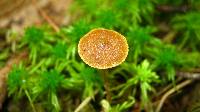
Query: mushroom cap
x=102, y=48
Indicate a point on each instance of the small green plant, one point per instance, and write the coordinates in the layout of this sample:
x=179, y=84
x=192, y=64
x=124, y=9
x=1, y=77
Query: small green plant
x=19, y=84
x=167, y=59
x=59, y=50
x=139, y=39
x=92, y=81
x=48, y=86
x=119, y=107
x=143, y=77
x=33, y=37
x=189, y=25
x=77, y=30
x=17, y=79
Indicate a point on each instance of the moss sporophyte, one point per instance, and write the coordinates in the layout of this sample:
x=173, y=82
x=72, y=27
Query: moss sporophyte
x=103, y=49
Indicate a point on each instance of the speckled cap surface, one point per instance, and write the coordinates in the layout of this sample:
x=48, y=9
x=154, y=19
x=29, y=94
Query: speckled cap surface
x=102, y=48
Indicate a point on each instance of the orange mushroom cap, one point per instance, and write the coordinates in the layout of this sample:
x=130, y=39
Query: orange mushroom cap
x=102, y=48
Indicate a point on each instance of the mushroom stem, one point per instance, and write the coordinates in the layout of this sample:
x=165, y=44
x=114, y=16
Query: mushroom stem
x=103, y=49
x=106, y=84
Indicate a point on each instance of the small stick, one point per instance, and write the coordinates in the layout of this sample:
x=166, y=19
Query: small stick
x=189, y=75
x=170, y=9
x=46, y=17
x=169, y=37
x=167, y=88
x=171, y=91
x=84, y=103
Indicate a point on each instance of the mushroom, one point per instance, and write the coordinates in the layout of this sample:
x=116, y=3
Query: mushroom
x=103, y=49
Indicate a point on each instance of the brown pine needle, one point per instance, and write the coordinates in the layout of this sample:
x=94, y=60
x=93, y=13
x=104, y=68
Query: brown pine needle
x=46, y=17
x=171, y=91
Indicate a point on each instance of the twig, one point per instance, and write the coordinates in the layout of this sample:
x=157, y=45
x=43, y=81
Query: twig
x=84, y=103
x=171, y=91
x=161, y=92
x=46, y=17
x=189, y=75
x=170, y=9
x=169, y=37
x=4, y=72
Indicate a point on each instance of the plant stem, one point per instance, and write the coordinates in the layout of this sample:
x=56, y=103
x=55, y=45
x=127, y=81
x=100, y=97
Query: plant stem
x=106, y=85
x=85, y=102
x=30, y=100
x=33, y=69
x=170, y=37
x=171, y=91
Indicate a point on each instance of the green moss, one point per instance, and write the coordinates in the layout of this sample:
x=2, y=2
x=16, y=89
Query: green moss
x=54, y=77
